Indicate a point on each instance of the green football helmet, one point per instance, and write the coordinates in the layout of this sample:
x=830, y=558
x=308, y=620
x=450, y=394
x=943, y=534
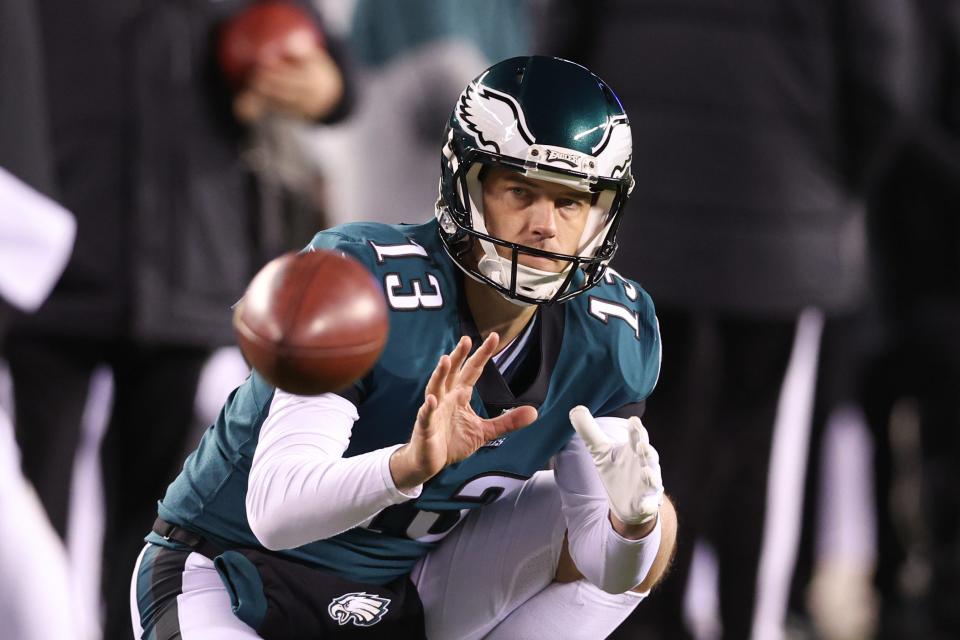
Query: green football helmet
x=549, y=119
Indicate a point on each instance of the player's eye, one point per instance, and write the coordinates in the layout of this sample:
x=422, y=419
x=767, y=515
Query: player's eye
x=521, y=193
x=571, y=204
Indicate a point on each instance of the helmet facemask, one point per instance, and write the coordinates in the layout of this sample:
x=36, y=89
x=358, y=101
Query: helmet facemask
x=524, y=284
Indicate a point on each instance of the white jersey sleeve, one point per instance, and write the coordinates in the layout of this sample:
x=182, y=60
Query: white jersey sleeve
x=301, y=488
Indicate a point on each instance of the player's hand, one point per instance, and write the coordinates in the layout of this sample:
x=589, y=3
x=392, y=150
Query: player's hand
x=447, y=429
x=630, y=471
x=302, y=80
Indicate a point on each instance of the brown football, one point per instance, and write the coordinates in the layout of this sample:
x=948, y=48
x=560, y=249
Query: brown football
x=312, y=322
x=261, y=30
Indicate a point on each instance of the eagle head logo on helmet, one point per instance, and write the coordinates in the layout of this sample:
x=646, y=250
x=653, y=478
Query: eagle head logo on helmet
x=361, y=608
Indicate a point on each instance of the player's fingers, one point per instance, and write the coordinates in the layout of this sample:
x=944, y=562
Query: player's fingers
x=426, y=410
x=586, y=426
x=656, y=478
x=635, y=436
x=651, y=456
x=512, y=420
x=640, y=442
x=435, y=385
x=457, y=358
x=474, y=365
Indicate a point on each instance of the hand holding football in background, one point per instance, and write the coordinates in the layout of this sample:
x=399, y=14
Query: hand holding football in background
x=273, y=55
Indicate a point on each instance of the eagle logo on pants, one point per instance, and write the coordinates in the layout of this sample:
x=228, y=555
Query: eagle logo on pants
x=361, y=608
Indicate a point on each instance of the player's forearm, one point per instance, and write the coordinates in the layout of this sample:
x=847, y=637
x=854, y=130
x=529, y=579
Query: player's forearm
x=300, y=487
x=608, y=560
x=605, y=557
x=301, y=499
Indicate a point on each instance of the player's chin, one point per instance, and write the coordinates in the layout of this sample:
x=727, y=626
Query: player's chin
x=543, y=264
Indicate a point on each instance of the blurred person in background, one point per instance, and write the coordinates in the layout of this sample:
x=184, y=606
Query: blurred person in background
x=912, y=390
x=36, y=236
x=412, y=59
x=832, y=591
x=145, y=142
x=908, y=376
x=758, y=127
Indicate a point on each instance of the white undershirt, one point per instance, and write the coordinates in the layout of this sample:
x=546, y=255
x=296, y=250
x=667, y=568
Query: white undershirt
x=515, y=348
x=301, y=488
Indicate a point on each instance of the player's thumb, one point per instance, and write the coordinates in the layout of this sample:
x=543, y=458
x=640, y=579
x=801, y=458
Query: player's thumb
x=586, y=426
x=514, y=419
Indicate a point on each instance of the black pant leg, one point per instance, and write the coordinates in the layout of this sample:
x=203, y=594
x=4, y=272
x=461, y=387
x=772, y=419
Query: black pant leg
x=939, y=406
x=755, y=357
x=51, y=379
x=155, y=390
x=884, y=384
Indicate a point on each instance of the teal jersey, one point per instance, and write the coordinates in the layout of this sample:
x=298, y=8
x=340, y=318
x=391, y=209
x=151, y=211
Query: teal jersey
x=600, y=349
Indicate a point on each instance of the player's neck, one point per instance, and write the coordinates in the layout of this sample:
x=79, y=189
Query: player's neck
x=492, y=312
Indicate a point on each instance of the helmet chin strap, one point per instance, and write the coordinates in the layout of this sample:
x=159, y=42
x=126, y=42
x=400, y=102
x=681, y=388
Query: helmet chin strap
x=533, y=283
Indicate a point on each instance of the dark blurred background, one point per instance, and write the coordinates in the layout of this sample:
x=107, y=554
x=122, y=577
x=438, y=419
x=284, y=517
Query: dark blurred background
x=795, y=219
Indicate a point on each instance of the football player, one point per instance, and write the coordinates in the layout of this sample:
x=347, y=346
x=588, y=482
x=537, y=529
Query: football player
x=490, y=476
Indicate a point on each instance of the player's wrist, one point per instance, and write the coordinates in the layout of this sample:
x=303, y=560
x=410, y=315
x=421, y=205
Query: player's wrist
x=406, y=474
x=633, y=531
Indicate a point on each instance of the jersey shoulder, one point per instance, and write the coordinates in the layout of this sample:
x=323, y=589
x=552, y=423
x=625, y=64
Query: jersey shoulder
x=420, y=287
x=619, y=318
x=374, y=243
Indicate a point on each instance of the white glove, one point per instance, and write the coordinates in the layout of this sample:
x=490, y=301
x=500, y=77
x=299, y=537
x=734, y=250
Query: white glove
x=630, y=471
